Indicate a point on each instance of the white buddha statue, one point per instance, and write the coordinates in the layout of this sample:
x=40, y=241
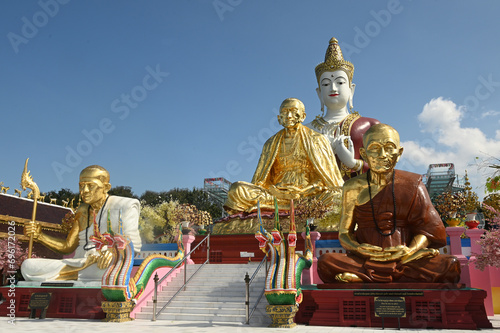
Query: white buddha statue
x=343, y=128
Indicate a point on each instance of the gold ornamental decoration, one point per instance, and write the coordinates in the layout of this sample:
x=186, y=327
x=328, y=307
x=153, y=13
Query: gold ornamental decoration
x=27, y=182
x=334, y=60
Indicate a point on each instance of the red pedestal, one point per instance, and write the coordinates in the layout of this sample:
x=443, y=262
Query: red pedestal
x=78, y=303
x=226, y=249
x=438, y=307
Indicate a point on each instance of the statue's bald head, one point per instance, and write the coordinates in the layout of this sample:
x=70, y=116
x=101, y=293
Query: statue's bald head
x=292, y=113
x=379, y=130
x=96, y=172
x=293, y=102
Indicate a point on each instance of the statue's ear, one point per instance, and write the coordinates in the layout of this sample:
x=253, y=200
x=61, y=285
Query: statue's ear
x=351, y=103
x=303, y=116
x=400, y=153
x=107, y=187
x=318, y=92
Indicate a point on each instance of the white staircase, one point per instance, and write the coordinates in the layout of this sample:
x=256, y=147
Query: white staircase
x=215, y=294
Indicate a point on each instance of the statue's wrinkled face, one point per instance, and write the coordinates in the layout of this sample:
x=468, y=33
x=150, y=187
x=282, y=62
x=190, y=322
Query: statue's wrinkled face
x=92, y=189
x=335, y=90
x=382, y=149
x=291, y=114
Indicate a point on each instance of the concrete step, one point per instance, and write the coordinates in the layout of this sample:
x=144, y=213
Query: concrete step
x=229, y=290
x=209, y=304
x=202, y=283
x=212, y=318
x=215, y=294
x=201, y=310
x=183, y=298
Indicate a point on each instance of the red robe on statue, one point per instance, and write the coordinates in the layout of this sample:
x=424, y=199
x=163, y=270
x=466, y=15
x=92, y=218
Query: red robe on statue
x=415, y=215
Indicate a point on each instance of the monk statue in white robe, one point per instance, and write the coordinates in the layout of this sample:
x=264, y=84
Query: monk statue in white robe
x=87, y=264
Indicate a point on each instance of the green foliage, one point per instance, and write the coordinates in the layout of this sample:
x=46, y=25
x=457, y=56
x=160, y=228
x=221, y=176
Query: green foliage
x=492, y=200
x=156, y=220
x=196, y=197
x=472, y=203
x=161, y=212
x=123, y=191
x=62, y=194
x=490, y=242
x=449, y=202
x=493, y=184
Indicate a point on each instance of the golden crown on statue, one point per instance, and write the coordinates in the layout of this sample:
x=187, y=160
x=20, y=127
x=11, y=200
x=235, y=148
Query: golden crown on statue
x=334, y=60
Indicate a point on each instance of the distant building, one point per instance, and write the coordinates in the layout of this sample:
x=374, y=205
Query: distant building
x=217, y=188
x=441, y=178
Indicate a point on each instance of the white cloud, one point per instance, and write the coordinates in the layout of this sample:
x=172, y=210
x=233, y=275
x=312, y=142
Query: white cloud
x=449, y=141
x=490, y=113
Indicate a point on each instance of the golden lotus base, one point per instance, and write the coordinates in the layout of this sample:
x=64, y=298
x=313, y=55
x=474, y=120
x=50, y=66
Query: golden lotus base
x=282, y=315
x=117, y=312
x=251, y=225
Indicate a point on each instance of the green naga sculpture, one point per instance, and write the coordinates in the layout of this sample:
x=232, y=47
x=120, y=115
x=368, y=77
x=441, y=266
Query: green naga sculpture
x=117, y=284
x=283, y=279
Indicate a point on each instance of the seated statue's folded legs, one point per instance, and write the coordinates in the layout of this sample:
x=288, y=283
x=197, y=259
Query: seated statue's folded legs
x=335, y=267
x=243, y=197
x=41, y=269
x=439, y=269
x=331, y=265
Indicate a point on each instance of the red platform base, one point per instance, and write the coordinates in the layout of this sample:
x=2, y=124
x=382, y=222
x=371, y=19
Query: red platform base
x=78, y=303
x=437, y=307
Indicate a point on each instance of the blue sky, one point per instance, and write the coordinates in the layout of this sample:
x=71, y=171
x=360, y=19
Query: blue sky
x=166, y=93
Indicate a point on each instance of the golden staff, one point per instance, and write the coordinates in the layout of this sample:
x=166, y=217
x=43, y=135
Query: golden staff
x=27, y=182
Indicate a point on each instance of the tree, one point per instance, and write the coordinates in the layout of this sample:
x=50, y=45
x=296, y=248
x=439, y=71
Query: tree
x=154, y=198
x=12, y=256
x=63, y=194
x=123, y=191
x=490, y=242
x=196, y=197
x=493, y=181
x=471, y=199
x=450, y=205
x=156, y=220
x=164, y=219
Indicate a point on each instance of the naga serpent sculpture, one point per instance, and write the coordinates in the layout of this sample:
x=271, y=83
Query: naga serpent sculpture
x=117, y=285
x=283, y=279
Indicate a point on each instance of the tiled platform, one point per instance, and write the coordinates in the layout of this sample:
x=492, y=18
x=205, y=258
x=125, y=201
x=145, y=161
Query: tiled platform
x=144, y=326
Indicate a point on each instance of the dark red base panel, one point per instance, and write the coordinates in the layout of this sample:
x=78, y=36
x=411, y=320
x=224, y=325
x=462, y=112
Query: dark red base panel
x=440, y=306
x=78, y=303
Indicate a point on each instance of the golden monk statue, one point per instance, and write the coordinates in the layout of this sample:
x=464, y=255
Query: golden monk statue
x=295, y=162
x=388, y=226
x=341, y=125
x=87, y=263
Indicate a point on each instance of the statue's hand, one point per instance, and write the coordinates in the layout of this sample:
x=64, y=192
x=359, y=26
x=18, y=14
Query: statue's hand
x=345, y=154
x=422, y=253
x=287, y=193
x=32, y=228
x=394, y=253
x=104, y=260
x=369, y=251
x=312, y=189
